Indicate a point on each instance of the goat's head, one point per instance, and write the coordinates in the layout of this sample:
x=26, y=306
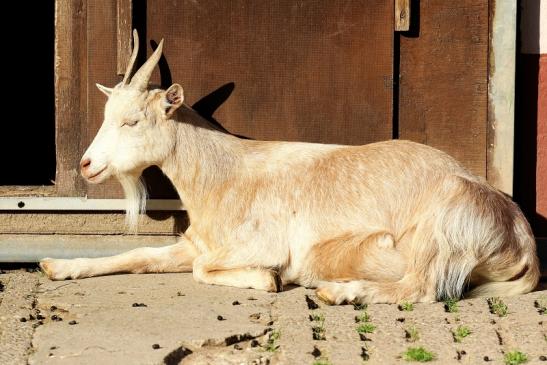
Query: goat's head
x=135, y=133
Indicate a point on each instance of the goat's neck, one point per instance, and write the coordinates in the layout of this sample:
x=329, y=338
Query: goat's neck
x=202, y=159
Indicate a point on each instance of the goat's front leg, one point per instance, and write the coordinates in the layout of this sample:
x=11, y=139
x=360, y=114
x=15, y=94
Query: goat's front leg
x=221, y=268
x=175, y=258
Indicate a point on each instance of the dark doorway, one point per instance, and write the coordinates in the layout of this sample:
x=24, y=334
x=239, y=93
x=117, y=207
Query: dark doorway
x=28, y=134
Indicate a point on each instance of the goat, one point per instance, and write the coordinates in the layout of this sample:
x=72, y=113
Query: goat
x=383, y=222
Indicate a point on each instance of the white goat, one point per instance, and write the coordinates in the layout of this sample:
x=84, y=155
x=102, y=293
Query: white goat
x=384, y=222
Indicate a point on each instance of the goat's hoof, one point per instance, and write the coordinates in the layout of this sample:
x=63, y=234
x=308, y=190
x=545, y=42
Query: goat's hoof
x=325, y=296
x=334, y=293
x=45, y=265
x=56, y=269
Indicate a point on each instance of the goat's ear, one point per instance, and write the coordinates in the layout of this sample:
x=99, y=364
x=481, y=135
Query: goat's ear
x=105, y=90
x=172, y=99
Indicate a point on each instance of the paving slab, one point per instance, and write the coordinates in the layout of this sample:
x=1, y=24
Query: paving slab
x=171, y=319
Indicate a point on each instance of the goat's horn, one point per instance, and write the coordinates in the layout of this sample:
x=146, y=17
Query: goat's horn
x=142, y=76
x=132, y=60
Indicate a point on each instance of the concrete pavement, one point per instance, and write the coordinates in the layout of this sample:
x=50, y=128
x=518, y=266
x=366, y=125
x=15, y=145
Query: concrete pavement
x=170, y=319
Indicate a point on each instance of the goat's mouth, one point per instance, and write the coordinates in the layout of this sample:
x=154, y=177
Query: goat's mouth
x=98, y=176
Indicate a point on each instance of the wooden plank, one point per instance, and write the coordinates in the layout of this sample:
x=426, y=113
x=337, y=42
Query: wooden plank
x=70, y=105
x=16, y=190
x=302, y=71
x=102, y=50
x=443, y=86
x=123, y=33
x=402, y=15
x=501, y=95
x=158, y=223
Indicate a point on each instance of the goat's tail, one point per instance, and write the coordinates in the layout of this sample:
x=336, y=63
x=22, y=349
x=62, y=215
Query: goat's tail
x=484, y=241
x=507, y=278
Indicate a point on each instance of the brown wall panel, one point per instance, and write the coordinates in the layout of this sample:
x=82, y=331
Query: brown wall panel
x=314, y=71
x=443, y=85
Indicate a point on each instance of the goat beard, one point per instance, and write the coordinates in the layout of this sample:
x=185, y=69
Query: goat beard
x=135, y=199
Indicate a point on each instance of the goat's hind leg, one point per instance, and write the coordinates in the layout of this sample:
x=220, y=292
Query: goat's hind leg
x=406, y=277
x=175, y=258
x=362, y=291
x=221, y=267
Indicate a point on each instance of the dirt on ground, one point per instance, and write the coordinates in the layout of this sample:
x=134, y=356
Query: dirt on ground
x=170, y=319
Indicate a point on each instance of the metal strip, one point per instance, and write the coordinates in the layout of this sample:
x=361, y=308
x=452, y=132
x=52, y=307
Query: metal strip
x=67, y=204
x=33, y=248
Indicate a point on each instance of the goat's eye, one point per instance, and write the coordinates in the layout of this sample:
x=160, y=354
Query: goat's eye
x=131, y=123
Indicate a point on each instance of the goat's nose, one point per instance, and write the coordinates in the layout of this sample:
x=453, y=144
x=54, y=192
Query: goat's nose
x=84, y=164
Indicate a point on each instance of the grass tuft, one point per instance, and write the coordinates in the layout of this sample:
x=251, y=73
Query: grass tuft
x=363, y=317
x=406, y=306
x=515, y=358
x=360, y=306
x=451, y=305
x=460, y=333
x=412, y=334
x=271, y=344
x=318, y=331
x=418, y=354
x=365, y=328
x=319, y=317
x=541, y=304
x=497, y=306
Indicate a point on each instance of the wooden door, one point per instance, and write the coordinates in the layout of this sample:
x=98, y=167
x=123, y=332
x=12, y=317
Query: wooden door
x=317, y=71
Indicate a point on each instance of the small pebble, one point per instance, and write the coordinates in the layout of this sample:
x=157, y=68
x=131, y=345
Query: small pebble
x=486, y=358
x=400, y=320
x=155, y=346
x=254, y=343
x=53, y=348
x=251, y=298
x=31, y=317
x=543, y=358
x=237, y=347
x=221, y=318
x=22, y=319
x=139, y=305
x=236, y=302
x=316, y=352
x=53, y=308
x=72, y=322
x=39, y=316
x=311, y=303
x=56, y=318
